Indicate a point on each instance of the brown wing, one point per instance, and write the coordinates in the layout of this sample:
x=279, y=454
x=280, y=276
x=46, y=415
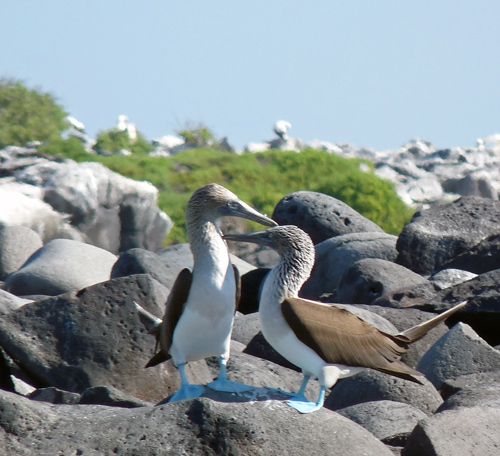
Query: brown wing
x=341, y=337
x=237, y=280
x=173, y=311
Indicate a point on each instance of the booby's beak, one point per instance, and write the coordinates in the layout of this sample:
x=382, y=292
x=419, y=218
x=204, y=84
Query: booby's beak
x=238, y=208
x=259, y=237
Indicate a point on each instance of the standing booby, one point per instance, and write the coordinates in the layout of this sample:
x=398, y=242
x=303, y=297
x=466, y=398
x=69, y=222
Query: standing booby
x=325, y=340
x=281, y=127
x=200, y=309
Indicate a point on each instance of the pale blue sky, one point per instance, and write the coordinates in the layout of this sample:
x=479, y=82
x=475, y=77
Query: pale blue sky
x=370, y=72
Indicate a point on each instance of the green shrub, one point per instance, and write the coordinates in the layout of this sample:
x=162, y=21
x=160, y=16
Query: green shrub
x=115, y=140
x=199, y=137
x=262, y=180
x=68, y=148
x=28, y=115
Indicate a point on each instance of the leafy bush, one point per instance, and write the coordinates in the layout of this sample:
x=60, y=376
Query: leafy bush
x=262, y=180
x=28, y=115
x=115, y=140
x=199, y=137
x=68, y=148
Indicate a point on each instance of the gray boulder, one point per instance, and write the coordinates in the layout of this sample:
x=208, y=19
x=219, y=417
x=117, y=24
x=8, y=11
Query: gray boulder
x=477, y=183
x=439, y=234
x=335, y=255
x=94, y=338
x=450, y=277
x=321, y=216
x=54, y=396
x=389, y=421
x=10, y=302
x=198, y=427
x=369, y=278
x=60, y=266
x=466, y=431
x=483, y=311
x=370, y=385
x=480, y=258
x=474, y=390
x=141, y=261
x=21, y=205
x=459, y=352
x=115, y=213
x=17, y=244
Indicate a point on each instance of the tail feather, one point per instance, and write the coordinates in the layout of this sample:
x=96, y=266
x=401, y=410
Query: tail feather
x=417, y=332
x=151, y=322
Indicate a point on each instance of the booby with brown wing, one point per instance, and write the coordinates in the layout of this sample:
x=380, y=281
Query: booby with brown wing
x=325, y=340
x=200, y=309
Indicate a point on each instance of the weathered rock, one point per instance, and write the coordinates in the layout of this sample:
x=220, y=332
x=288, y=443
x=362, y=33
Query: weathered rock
x=389, y=421
x=475, y=184
x=198, y=427
x=422, y=296
x=447, y=278
x=439, y=234
x=465, y=431
x=369, y=278
x=251, y=283
x=17, y=244
x=480, y=258
x=107, y=395
x=55, y=396
x=474, y=390
x=483, y=311
x=10, y=302
x=60, y=266
x=467, y=382
x=94, y=338
x=321, y=216
x=141, y=261
x=459, y=352
x=335, y=255
x=115, y=213
x=371, y=385
x=21, y=205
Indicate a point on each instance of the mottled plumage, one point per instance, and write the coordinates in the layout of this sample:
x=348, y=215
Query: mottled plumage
x=325, y=340
x=200, y=310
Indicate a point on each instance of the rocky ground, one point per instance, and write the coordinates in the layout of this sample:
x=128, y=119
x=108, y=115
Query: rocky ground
x=72, y=376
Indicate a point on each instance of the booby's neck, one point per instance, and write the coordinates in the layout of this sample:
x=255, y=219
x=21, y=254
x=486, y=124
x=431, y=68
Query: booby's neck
x=288, y=276
x=205, y=239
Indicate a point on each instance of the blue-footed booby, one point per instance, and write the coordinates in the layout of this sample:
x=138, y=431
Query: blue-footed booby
x=200, y=309
x=325, y=340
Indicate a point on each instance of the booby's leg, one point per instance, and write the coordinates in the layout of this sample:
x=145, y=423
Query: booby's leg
x=186, y=391
x=223, y=384
x=308, y=406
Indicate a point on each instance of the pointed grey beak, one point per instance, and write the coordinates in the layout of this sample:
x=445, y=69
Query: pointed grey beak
x=241, y=209
x=258, y=237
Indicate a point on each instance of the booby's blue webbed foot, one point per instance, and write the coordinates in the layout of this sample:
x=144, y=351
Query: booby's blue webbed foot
x=223, y=384
x=186, y=392
x=303, y=405
x=300, y=402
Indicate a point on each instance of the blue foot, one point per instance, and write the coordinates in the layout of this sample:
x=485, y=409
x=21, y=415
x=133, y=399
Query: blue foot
x=303, y=405
x=187, y=392
x=228, y=386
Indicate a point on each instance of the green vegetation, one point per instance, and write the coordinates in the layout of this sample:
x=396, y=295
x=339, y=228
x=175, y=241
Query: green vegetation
x=28, y=115
x=114, y=140
x=259, y=179
x=200, y=137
